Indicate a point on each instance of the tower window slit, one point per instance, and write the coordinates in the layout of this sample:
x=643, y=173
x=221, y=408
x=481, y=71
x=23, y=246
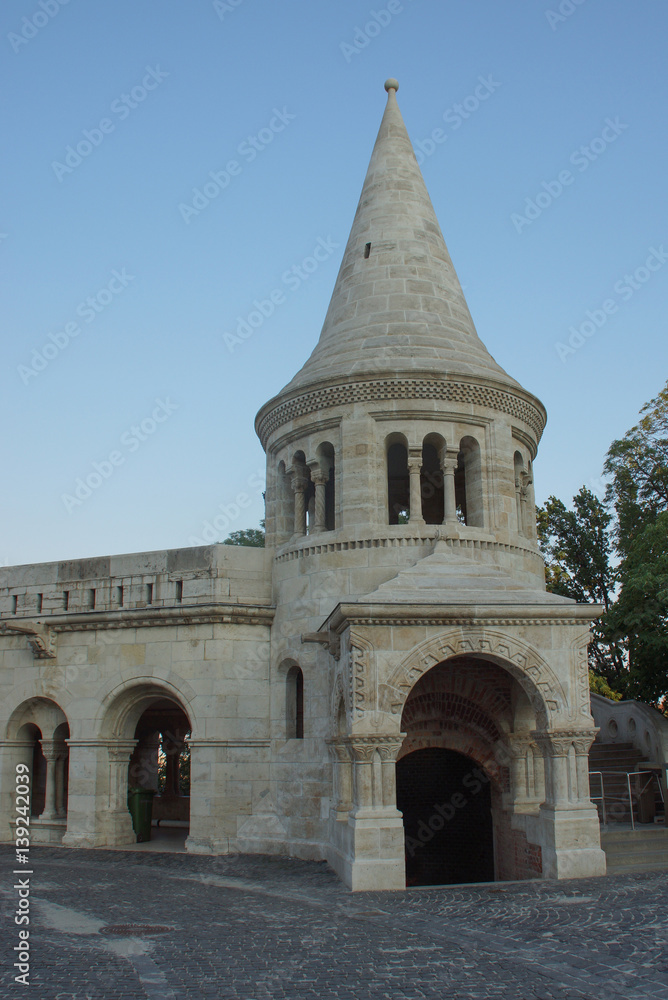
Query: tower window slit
x=367, y=251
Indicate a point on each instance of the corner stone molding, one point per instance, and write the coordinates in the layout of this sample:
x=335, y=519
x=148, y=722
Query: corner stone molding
x=522, y=661
x=41, y=638
x=362, y=683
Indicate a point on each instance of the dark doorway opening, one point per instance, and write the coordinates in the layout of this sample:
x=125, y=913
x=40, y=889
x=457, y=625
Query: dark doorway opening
x=445, y=799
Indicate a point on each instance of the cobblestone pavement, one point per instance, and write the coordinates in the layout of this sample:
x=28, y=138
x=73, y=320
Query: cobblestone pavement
x=263, y=927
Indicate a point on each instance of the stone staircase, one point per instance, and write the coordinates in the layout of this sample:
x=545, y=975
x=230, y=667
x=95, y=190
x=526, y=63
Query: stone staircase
x=640, y=850
x=615, y=761
x=626, y=849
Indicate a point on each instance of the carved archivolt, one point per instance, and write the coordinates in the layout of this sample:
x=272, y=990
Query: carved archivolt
x=530, y=670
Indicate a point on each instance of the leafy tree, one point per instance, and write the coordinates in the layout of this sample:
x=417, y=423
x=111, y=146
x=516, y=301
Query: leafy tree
x=577, y=548
x=253, y=537
x=638, y=467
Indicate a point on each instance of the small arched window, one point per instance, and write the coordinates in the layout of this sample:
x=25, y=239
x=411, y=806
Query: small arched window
x=294, y=704
x=398, y=483
x=468, y=484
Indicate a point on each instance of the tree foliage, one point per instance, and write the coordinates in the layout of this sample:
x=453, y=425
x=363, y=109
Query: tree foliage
x=630, y=648
x=253, y=537
x=577, y=548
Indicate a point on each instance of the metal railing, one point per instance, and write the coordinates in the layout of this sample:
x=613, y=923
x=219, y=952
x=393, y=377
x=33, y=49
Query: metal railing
x=650, y=776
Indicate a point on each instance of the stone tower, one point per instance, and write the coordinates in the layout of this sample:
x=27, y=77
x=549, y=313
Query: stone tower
x=408, y=584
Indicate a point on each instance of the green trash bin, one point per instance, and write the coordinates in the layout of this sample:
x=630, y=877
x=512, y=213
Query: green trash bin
x=140, y=804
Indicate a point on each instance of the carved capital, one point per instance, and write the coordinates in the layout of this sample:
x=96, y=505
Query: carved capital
x=558, y=743
x=340, y=750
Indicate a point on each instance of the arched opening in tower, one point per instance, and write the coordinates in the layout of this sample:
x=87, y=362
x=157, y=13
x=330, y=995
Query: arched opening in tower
x=445, y=798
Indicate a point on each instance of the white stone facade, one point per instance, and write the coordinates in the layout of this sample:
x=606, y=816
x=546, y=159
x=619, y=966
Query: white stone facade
x=399, y=606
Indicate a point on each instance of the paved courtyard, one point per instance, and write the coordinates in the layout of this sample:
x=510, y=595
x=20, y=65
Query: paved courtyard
x=262, y=927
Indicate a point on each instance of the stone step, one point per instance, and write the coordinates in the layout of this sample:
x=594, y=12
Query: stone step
x=640, y=850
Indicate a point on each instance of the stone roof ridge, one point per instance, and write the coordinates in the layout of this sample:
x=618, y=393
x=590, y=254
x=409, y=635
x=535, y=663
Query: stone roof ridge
x=397, y=302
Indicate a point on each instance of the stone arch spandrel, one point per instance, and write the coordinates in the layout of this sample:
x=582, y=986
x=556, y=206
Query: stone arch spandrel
x=118, y=700
x=521, y=660
x=40, y=710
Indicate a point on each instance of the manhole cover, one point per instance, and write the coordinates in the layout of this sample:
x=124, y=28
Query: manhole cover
x=135, y=930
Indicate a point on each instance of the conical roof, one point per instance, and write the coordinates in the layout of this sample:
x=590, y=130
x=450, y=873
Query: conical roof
x=397, y=304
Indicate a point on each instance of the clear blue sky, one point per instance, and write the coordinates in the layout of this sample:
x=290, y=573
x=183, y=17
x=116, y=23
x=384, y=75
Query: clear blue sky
x=200, y=79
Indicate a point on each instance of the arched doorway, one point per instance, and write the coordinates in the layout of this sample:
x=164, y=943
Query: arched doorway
x=445, y=798
x=145, y=727
x=160, y=763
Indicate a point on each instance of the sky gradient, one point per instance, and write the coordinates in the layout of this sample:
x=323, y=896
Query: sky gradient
x=171, y=165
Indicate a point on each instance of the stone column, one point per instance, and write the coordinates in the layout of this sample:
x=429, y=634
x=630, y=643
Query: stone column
x=61, y=764
x=373, y=857
x=519, y=747
x=320, y=479
x=389, y=751
x=449, y=498
x=570, y=832
x=173, y=748
x=341, y=755
x=526, y=511
x=582, y=746
x=50, y=750
x=363, y=751
x=299, y=487
x=518, y=505
x=415, y=516
x=119, y=822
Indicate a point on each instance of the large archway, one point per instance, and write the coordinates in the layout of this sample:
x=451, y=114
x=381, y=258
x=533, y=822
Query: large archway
x=456, y=786
x=445, y=798
x=148, y=726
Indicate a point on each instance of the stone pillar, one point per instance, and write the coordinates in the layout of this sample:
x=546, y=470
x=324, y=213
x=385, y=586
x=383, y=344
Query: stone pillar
x=299, y=487
x=527, y=516
x=50, y=749
x=518, y=505
x=61, y=766
x=414, y=468
x=343, y=786
x=320, y=479
x=519, y=748
x=449, y=497
x=173, y=748
x=582, y=745
x=570, y=832
x=389, y=751
x=119, y=828
x=371, y=856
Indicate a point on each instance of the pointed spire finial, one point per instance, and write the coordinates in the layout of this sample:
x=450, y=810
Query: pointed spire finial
x=391, y=84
